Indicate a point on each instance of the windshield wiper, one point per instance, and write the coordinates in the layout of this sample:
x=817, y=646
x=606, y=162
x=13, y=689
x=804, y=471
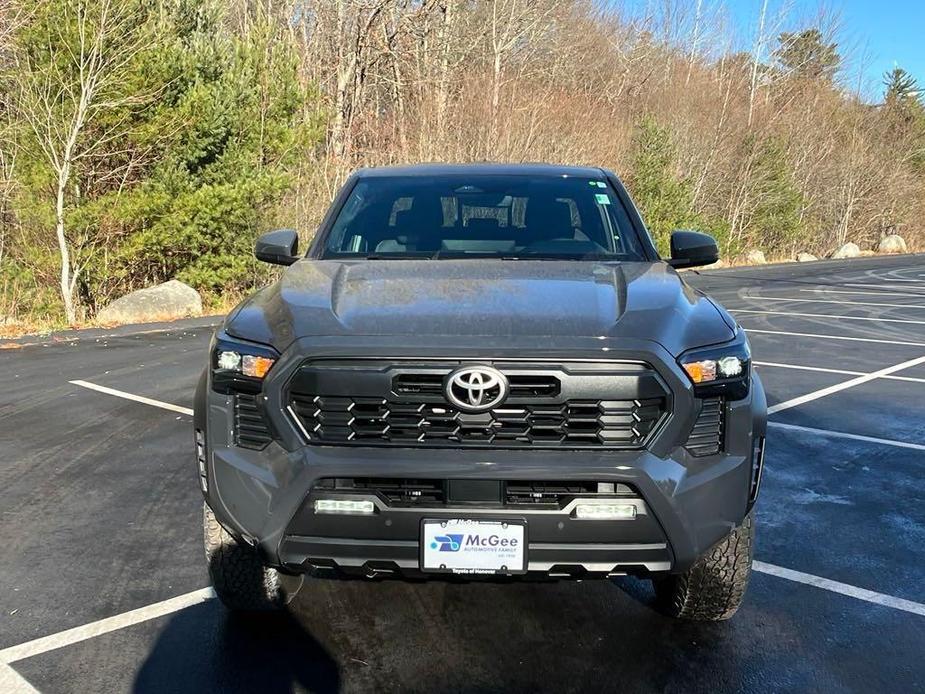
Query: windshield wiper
x=394, y=256
x=475, y=255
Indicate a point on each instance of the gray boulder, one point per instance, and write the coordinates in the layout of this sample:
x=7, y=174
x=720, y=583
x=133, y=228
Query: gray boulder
x=756, y=257
x=849, y=250
x=894, y=243
x=165, y=301
x=806, y=257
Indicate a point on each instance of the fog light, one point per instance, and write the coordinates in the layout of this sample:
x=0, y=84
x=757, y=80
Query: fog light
x=344, y=506
x=605, y=511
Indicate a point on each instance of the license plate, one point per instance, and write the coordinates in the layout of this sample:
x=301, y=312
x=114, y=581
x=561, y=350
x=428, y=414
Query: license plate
x=471, y=546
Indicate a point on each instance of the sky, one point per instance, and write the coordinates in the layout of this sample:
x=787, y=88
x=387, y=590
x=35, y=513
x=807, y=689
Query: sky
x=874, y=35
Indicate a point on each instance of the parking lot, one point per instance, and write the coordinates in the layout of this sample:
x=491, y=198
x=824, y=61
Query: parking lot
x=103, y=582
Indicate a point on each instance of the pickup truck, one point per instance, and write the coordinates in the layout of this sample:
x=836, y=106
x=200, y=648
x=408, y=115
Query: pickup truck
x=481, y=372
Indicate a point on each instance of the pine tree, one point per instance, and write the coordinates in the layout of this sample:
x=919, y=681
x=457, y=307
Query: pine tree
x=901, y=87
x=806, y=54
x=663, y=196
x=904, y=112
x=177, y=171
x=775, y=221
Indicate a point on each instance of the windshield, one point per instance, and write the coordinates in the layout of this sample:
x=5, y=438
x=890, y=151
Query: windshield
x=476, y=216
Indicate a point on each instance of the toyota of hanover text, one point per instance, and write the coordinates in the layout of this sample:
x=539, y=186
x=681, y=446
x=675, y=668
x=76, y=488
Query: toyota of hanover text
x=481, y=372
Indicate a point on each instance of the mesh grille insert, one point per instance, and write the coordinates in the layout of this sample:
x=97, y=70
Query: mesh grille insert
x=403, y=403
x=610, y=423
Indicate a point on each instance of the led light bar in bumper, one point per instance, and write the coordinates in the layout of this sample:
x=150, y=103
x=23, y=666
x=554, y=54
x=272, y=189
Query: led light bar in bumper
x=604, y=510
x=361, y=506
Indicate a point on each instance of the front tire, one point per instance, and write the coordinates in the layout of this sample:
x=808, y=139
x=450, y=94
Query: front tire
x=714, y=587
x=240, y=578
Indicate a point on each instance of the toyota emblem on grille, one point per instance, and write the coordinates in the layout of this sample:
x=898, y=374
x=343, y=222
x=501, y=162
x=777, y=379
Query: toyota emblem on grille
x=476, y=388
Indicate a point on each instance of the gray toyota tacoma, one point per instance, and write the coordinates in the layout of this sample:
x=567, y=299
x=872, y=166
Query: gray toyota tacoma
x=481, y=372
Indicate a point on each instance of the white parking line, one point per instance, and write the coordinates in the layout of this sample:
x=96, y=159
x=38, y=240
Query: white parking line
x=827, y=315
x=836, y=337
x=884, y=286
x=70, y=637
x=104, y=626
x=809, y=368
x=845, y=435
x=842, y=588
x=137, y=398
x=831, y=301
x=859, y=291
x=11, y=682
x=774, y=364
x=838, y=387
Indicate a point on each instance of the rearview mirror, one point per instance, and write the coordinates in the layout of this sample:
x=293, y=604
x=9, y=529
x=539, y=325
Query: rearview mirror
x=692, y=249
x=280, y=247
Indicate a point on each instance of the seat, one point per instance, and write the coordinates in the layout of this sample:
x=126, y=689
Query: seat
x=418, y=229
x=548, y=220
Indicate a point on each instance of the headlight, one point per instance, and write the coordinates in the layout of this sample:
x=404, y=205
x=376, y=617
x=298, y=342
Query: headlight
x=239, y=364
x=720, y=370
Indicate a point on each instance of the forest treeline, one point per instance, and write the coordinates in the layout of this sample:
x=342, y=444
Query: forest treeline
x=146, y=140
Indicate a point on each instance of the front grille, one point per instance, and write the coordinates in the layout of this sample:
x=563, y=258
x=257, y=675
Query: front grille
x=395, y=491
x=402, y=403
x=434, y=492
x=707, y=435
x=521, y=386
x=612, y=423
x=558, y=493
x=250, y=426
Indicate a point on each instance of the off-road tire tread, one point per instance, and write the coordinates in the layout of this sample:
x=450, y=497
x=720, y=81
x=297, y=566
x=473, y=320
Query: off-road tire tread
x=239, y=576
x=714, y=587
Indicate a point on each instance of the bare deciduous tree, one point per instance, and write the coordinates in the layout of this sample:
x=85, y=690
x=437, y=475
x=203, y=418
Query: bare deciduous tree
x=89, y=52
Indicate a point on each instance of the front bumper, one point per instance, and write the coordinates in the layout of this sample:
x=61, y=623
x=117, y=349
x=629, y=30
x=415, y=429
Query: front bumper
x=559, y=544
x=688, y=503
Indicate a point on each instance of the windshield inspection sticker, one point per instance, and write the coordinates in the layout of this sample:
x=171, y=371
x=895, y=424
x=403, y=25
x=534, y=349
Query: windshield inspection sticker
x=602, y=199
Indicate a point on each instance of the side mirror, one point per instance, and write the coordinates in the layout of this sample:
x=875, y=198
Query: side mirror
x=692, y=249
x=280, y=247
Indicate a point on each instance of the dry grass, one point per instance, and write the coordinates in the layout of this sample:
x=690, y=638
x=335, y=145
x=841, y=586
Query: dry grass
x=25, y=328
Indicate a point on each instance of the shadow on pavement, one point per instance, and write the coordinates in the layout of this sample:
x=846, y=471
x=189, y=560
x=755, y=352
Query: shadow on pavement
x=205, y=649
x=440, y=637
x=593, y=636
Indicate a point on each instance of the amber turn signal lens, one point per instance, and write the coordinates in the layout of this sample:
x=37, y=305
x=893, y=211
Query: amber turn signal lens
x=701, y=371
x=256, y=367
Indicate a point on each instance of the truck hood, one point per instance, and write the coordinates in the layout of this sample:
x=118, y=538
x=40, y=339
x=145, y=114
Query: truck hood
x=472, y=298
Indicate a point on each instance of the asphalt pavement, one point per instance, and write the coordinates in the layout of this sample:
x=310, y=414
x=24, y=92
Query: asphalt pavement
x=103, y=584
